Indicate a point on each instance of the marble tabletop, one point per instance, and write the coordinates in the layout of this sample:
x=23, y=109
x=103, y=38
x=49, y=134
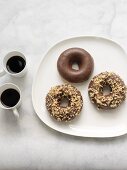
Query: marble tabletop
x=32, y=27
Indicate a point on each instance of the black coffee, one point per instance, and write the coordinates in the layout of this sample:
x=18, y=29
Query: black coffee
x=10, y=97
x=15, y=64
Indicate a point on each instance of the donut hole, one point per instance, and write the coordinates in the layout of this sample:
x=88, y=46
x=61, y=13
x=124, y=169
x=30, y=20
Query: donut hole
x=75, y=66
x=106, y=90
x=75, y=62
x=64, y=102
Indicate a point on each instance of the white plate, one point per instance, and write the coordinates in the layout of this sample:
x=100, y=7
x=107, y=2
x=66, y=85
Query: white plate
x=108, y=56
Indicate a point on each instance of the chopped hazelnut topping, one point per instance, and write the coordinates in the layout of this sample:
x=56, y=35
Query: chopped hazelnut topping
x=75, y=102
x=114, y=98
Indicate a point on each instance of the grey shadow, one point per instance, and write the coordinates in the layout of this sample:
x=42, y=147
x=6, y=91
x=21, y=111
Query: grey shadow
x=10, y=122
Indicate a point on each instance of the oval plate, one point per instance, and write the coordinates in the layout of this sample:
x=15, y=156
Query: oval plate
x=108, y=56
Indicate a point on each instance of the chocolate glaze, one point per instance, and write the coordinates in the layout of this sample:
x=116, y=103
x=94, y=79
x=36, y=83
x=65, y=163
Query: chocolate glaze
x=82, y=58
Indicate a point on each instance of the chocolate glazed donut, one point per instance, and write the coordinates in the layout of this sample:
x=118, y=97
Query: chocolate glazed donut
x=79, y=56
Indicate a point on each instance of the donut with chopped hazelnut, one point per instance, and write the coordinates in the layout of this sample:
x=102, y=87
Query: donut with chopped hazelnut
x=116, y=95
x=64, y=92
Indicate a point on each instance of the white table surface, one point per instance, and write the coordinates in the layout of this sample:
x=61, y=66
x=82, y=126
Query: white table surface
x=32, y=27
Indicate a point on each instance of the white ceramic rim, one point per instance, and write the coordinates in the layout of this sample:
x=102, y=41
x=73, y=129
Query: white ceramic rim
x=16, y=88
x=119, y=133
x=8, y=56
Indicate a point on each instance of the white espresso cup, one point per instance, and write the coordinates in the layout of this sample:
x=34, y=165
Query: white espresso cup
x=10, y=97
x=17, y=66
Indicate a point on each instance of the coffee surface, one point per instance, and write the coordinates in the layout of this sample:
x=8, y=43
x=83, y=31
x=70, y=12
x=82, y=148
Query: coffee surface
x=10, y=97
x=15, y=64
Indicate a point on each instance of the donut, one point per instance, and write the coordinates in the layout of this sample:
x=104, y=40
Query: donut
x=116, y=95
x=79, y=56
x=54, y=98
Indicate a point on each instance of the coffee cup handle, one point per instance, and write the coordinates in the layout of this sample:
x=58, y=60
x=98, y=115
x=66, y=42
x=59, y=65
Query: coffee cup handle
x=16, y=113
x=2, y=72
